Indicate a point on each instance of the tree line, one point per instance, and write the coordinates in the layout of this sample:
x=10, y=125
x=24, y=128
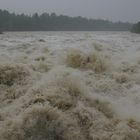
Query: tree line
x=53, y=22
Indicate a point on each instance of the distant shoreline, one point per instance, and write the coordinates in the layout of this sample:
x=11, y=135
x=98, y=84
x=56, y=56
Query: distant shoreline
x=53, y=22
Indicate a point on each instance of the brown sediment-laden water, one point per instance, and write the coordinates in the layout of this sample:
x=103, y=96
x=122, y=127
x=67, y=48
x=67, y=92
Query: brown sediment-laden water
x=69, y=86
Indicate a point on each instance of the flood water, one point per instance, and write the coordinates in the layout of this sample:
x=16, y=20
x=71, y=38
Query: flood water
x=69, y=86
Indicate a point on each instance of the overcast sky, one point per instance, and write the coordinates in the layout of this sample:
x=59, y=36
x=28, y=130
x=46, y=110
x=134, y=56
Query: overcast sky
x=116, y=10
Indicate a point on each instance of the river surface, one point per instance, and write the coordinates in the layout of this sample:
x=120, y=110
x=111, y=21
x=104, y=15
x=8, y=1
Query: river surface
x=69, y=86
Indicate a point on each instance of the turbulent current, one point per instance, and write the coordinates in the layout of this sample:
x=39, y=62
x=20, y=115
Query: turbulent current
x=69, y=86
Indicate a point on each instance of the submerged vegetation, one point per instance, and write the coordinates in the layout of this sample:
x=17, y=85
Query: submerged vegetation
x=53, y=22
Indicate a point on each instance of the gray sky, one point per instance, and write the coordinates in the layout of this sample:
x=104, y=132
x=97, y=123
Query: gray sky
x=116, y=10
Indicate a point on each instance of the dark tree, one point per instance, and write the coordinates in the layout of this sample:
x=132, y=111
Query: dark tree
x=136, y=28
